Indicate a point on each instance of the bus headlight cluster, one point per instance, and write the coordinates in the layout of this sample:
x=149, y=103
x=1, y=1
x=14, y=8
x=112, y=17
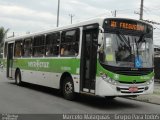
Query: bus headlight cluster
x=108, y=79
x=111, y=81
x=150, y=81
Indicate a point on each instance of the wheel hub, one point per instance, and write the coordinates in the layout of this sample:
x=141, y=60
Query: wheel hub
x=68, y=88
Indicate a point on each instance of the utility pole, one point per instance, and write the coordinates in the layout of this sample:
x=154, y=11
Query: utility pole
x=71, y=15
x=58, y=13
x=141, y=10
x=114, y=13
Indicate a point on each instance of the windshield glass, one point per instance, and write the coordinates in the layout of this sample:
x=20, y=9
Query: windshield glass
x=127, y=51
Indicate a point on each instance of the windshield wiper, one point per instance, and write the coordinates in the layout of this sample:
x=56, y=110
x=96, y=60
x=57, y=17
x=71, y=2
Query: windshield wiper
x=124, y=39
x=140, y=40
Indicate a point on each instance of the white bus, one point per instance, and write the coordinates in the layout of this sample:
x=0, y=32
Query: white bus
x=105, y=57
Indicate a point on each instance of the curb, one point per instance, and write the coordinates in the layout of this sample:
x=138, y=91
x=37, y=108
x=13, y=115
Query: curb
x=144, y=100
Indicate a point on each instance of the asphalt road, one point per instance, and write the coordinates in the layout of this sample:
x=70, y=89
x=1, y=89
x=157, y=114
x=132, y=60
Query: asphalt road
x=32, y=99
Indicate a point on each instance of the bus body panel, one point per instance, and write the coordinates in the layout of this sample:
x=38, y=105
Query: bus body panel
x=41, y=78
x=47, y=79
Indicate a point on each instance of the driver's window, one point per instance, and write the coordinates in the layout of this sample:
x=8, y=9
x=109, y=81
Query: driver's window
x=108, y=45
x=109, y=49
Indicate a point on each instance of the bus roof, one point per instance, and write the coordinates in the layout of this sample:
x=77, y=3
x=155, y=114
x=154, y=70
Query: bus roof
x=98, y=20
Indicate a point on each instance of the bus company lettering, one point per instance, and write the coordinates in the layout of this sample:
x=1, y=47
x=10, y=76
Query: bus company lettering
x=38, y=64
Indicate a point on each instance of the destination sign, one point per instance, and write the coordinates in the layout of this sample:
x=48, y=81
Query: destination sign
x=127, y=25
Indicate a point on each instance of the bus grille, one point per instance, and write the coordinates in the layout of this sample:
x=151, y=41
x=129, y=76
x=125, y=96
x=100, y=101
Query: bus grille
x=133, y=73
x=126, y=90
x=131, y=82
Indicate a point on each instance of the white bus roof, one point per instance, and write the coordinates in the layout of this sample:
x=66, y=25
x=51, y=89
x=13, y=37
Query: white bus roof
x=98, y=20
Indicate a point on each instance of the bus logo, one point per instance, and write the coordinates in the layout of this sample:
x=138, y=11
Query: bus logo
x=38, y=64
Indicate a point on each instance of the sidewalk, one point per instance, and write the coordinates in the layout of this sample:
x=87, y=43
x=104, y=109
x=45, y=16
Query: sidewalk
x=152, y=98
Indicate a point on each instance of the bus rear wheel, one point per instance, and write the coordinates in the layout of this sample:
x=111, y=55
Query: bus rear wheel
x=68, y=89
x=18, y=79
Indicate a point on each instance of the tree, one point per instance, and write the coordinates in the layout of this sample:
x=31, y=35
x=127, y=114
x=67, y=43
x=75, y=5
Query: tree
x=3, y=33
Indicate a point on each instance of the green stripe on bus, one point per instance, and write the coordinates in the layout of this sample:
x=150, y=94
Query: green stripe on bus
x=72, y=66
x=48, y=65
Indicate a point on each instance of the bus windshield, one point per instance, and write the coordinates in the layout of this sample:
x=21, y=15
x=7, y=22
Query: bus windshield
x=127, y=51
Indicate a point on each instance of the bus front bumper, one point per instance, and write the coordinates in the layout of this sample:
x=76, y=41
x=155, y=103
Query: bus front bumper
x=104, y=88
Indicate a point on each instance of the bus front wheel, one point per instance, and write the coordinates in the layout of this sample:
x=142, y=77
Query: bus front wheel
x=68, y=89
x=18, y=77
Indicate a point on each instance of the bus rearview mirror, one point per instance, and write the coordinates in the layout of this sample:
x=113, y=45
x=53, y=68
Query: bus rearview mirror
x=100, y=38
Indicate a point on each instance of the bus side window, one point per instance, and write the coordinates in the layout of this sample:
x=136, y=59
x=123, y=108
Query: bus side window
x=18, y=48
x=39, y=46
x=70, y=43
x=52, y=44
x=27, y=48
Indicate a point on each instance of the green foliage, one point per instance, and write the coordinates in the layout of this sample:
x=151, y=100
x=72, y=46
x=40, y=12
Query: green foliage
x=3, y=33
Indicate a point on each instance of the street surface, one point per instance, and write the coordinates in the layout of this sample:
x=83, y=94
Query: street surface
x=32, y=99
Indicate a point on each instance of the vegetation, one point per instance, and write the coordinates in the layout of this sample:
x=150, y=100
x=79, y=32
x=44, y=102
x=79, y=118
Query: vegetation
x=3, y=33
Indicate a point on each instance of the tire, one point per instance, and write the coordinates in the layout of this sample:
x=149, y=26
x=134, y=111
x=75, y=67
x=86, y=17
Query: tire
x=68, y=89
x=18, y=79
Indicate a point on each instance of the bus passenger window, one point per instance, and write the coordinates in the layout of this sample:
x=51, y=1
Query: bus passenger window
x=27, y=48
x=39, y=46
x=52, y=44
x=70, y=43
x=65, y=50
x=18, y=49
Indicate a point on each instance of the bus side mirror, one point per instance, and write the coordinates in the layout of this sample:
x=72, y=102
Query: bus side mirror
x=100, y=39
x=100, y=36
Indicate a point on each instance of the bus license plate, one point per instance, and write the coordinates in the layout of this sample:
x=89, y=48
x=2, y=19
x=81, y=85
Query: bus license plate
x=133, y=89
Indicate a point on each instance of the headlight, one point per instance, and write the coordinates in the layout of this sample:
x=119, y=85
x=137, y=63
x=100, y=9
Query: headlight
x=150, y=81
x=113, y=82
x=108, y=79
x=103, y=75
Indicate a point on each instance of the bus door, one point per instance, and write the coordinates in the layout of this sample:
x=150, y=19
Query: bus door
x=10, y=60
x=89, y=59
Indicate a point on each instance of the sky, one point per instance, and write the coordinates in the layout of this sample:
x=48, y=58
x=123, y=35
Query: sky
x=23, y=16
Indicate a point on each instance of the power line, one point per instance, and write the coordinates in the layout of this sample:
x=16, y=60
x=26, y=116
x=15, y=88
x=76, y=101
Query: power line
x=152, y=22
x=121, y=11
x=156, y=27
x=153, y=8
x=146, y=9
